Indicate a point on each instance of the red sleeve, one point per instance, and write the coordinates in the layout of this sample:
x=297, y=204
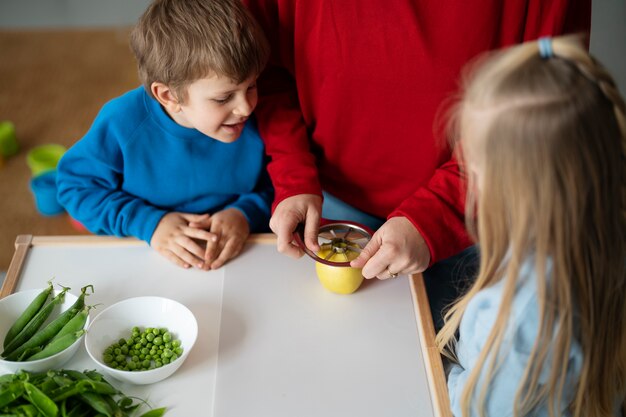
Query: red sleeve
x=292, y=166
x=437, y=210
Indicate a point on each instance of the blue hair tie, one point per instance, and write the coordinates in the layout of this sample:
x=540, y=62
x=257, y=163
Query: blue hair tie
x=545, y=47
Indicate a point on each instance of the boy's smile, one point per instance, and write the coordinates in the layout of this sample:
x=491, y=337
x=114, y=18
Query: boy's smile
x=215, y=106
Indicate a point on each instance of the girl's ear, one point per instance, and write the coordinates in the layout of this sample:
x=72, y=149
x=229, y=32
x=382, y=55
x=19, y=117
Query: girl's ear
x=165, y=96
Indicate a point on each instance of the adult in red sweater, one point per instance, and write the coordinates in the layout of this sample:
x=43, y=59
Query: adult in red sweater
x=347, y=105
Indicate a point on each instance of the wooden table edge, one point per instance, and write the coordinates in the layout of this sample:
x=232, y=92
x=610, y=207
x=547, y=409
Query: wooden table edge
x=432, y=358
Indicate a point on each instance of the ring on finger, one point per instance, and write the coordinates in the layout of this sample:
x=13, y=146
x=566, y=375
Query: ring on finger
x=391, y=274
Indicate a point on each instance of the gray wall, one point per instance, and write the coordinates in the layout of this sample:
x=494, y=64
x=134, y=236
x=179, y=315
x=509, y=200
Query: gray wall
x=608, y=37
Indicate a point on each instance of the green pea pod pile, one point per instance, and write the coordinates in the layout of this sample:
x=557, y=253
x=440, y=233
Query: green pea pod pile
x=27, y=341
x=66, y=393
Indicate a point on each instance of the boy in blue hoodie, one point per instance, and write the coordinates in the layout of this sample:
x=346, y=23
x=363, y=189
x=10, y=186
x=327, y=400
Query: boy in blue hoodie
x=178, y=162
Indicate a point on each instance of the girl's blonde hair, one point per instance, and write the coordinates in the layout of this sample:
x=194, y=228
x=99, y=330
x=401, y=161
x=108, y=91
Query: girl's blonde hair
x=550, y=137
x=177, y=42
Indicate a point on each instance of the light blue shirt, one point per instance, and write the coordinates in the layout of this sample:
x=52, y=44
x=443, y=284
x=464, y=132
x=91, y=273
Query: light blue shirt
x=522, y=330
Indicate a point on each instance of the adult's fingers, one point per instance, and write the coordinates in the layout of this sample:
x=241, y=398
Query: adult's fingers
x=311, y=230
x=284, y=227
x=368, y=253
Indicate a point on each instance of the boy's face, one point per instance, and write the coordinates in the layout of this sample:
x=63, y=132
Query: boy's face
x=218, y=107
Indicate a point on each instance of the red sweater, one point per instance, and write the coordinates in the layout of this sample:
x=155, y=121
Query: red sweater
x=349, y=98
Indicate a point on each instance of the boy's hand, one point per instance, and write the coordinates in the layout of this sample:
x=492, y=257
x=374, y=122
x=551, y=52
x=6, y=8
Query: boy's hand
x=232, y=230
x=174, y=239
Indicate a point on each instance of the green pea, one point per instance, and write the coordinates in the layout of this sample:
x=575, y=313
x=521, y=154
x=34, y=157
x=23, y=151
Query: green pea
x=158, y=341
x=178, y=351
x=176, y=343
x=150, y=337
x=167, y=337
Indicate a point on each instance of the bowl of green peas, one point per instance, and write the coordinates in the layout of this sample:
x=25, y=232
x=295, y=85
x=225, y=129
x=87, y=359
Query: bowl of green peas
x=41, y=329
x=142, y=340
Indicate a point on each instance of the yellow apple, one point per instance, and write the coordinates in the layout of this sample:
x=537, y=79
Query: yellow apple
x=339, y=279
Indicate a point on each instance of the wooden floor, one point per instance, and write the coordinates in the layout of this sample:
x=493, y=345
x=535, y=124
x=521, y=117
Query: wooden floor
x=52, y=84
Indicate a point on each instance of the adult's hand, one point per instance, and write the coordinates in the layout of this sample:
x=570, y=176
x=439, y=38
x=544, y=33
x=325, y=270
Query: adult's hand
x=301, y=208
x=397, y=247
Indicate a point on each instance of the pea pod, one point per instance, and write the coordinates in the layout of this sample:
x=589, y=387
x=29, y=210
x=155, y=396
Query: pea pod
x=11, y=392
x=25, y=410
x=57, y=346
x=44, y=404
x=29, y=330
x=83, y=386
x=28, y=352
x=155, y=412
x=44, y=335
x=52, y=330
x=27, y=315
x=98, y=403
x=75, y=324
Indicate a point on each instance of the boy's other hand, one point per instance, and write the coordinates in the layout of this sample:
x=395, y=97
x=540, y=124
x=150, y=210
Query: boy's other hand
x=231, y=228
x=176, y=239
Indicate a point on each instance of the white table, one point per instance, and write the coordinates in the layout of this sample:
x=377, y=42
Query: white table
x=272, y=341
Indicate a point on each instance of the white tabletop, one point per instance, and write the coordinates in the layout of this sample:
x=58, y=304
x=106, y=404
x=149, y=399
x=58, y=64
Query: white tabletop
x=272, y=341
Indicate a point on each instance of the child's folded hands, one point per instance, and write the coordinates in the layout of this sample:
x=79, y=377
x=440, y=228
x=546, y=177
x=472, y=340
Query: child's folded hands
x=175, y=239
x=231, y=229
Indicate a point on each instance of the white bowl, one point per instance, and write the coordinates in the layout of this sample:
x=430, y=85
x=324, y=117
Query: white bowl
x=12, y=306
x=116, y=322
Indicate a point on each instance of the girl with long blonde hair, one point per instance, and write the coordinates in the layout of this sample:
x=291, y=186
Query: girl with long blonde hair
x=541, y=136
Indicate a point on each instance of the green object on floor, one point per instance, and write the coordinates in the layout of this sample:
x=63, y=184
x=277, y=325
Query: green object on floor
x=8, y=141
x=44, y=158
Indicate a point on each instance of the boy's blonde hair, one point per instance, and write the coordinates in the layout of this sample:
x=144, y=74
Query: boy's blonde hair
x=550, y=135
x=177, y=42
